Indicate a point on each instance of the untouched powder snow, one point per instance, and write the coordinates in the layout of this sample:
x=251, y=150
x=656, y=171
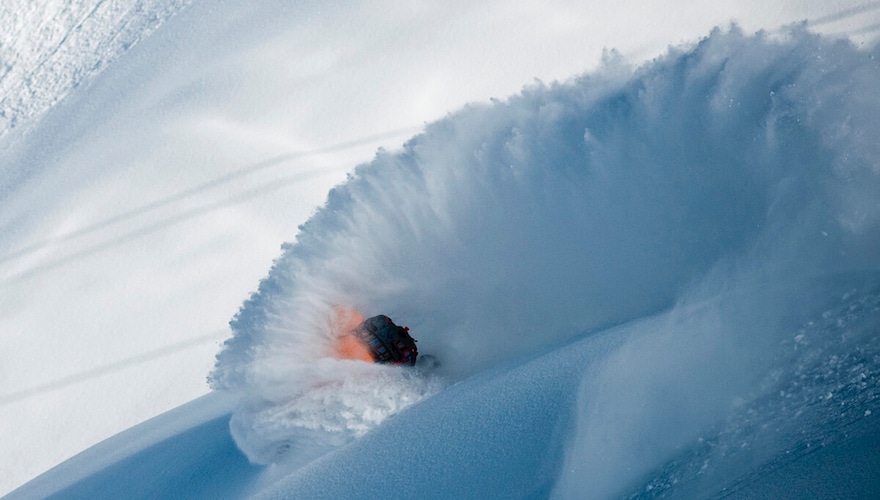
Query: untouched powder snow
x=642, y=282
x=184, y=453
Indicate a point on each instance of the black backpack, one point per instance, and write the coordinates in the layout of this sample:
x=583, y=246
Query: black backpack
x=389, y=343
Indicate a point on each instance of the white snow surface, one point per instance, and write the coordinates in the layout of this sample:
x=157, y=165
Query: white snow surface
x=654, y=279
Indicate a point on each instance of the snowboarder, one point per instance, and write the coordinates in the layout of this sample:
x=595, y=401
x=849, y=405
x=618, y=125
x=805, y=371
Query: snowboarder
x=387, y=342
x=376, y=339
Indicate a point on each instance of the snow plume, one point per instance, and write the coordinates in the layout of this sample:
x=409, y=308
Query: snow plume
x=790, y=121
x=719, y=184
x=333, y=403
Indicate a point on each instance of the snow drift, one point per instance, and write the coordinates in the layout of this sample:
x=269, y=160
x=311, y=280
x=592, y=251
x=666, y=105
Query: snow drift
x=728, y=191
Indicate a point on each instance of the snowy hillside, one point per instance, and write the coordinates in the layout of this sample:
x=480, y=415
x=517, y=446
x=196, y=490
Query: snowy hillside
x=650, y=281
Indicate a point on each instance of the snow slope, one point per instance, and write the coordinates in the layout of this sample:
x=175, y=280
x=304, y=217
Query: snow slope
x=659, y=281
x=144, y=189
x=501, y=434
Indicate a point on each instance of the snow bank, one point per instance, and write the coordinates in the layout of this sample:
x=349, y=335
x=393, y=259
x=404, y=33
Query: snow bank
x=184, y=453
x=720, y=183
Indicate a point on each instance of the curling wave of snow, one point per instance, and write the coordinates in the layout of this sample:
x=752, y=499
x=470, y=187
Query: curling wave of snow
x=724, y=182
